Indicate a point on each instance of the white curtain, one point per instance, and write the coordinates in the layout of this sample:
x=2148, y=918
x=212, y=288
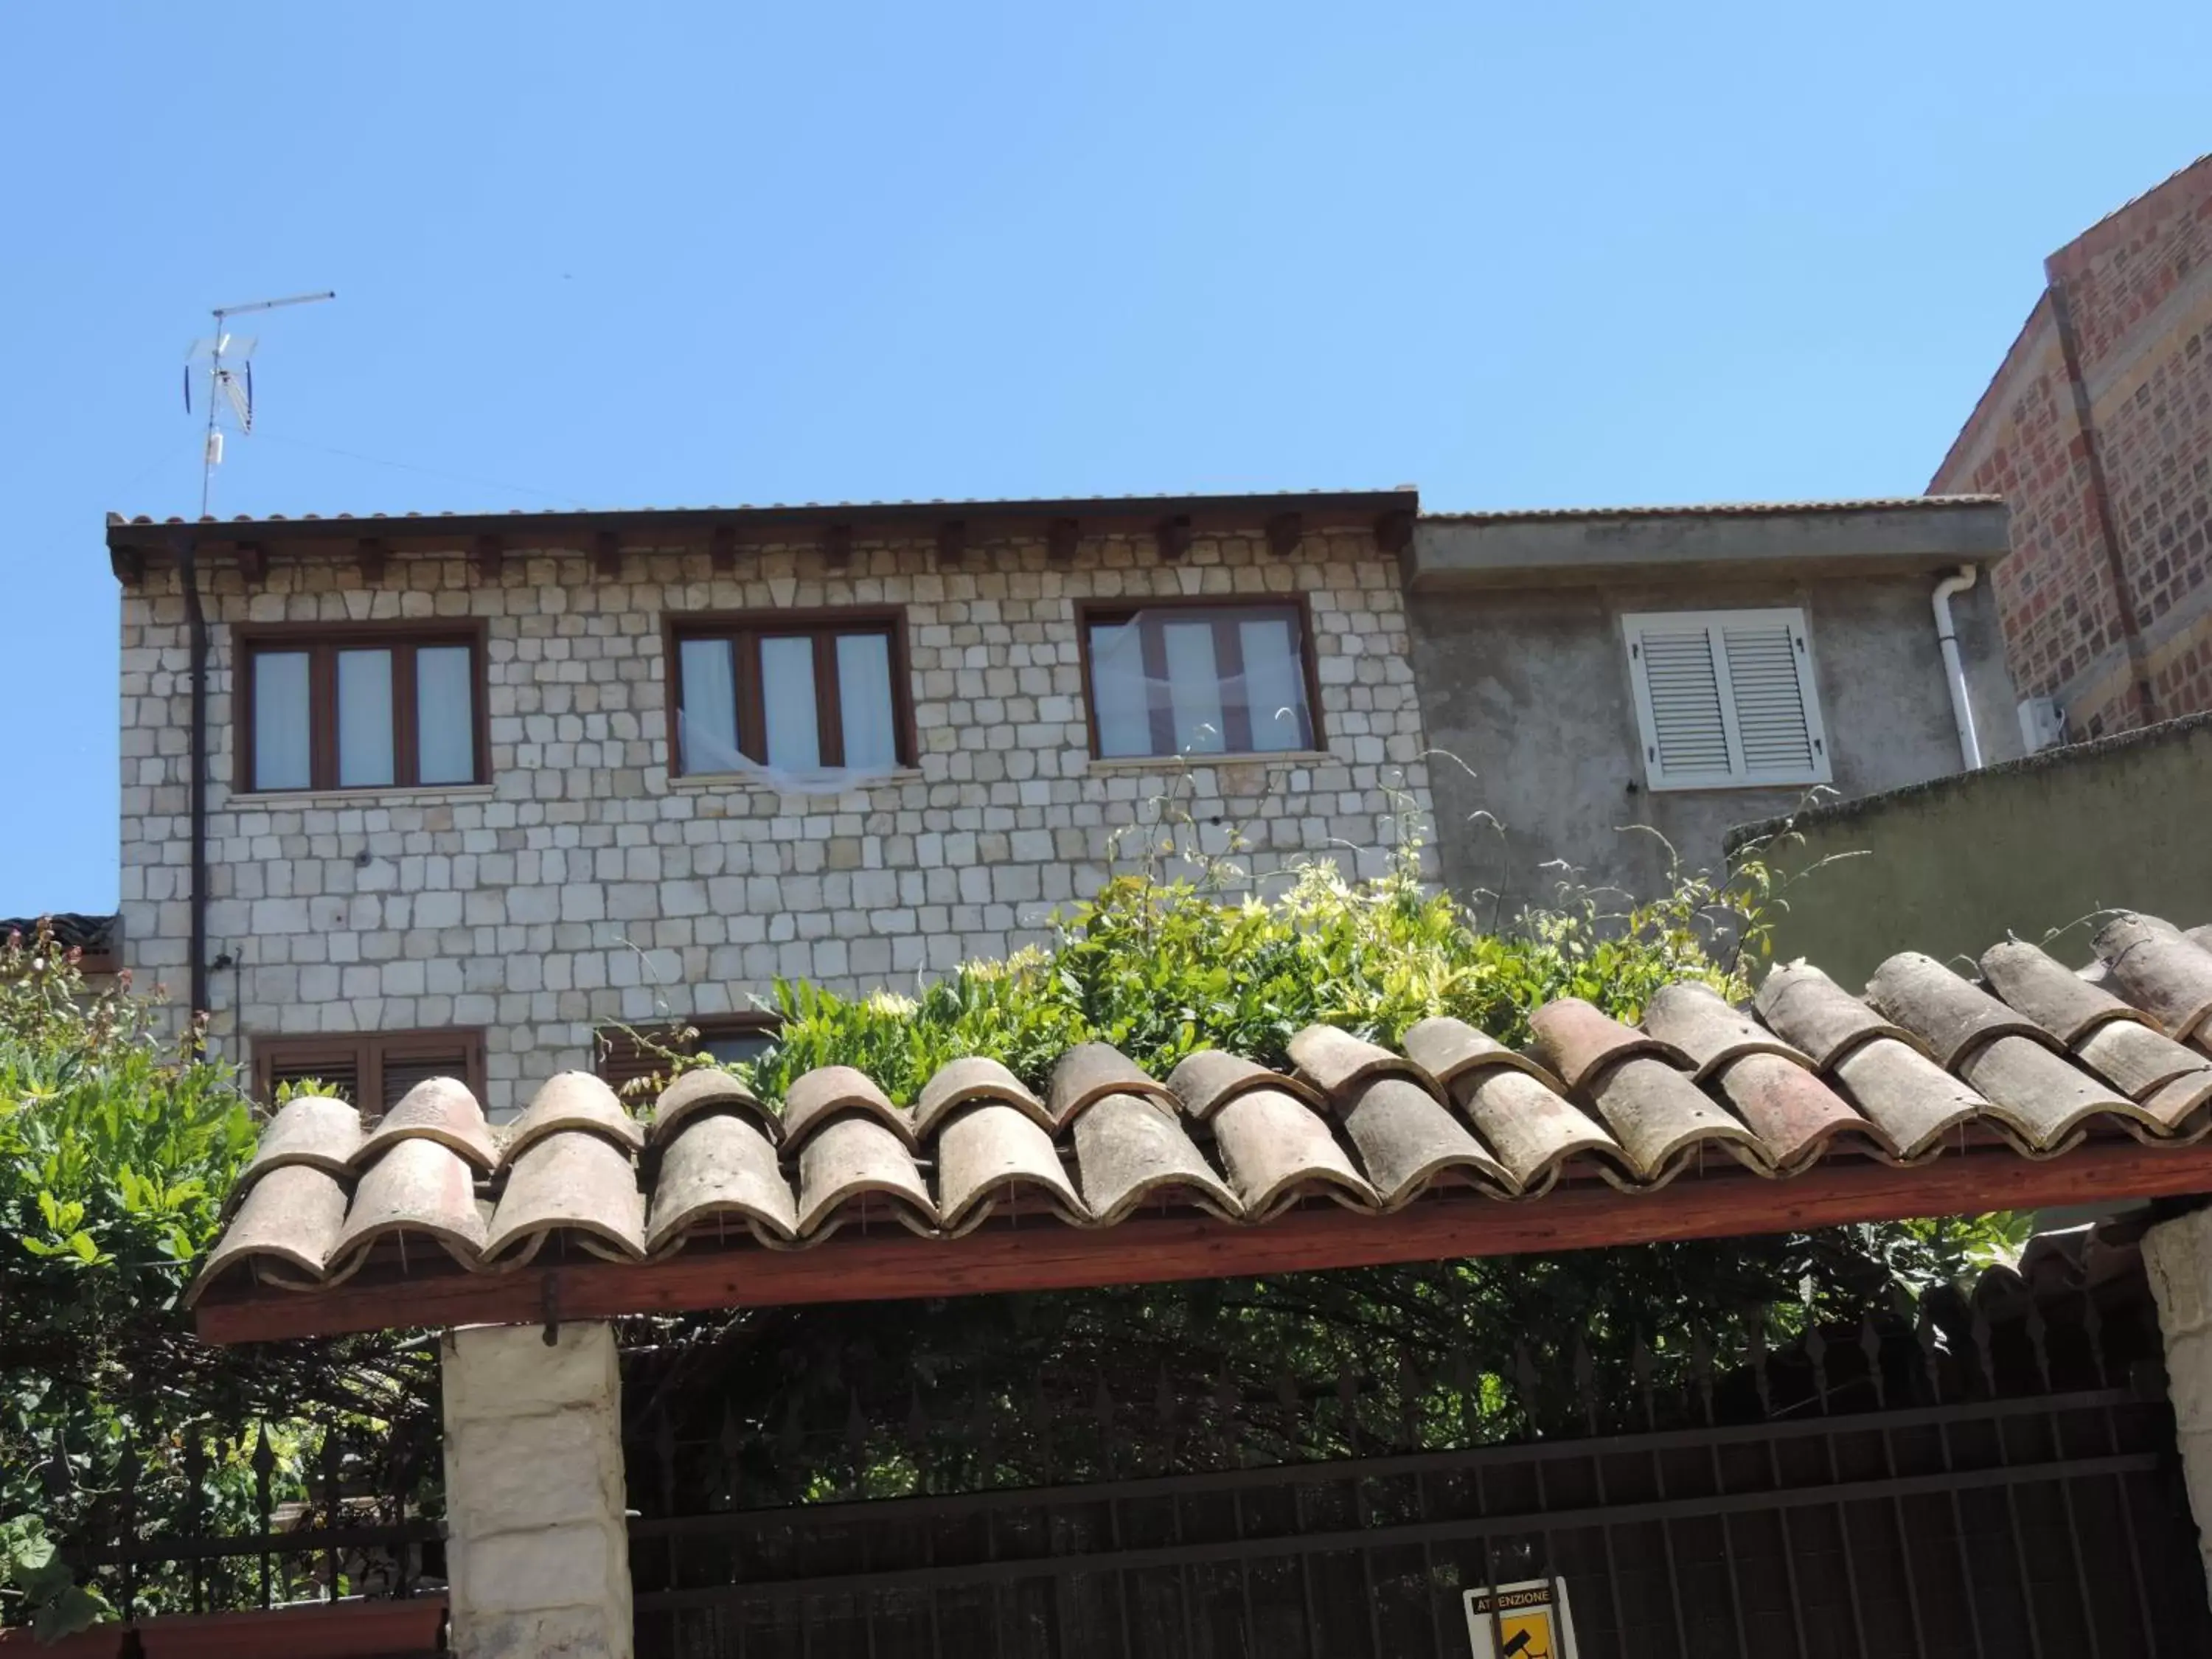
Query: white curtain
x=364, y=719
x=1274, y=689
x=1193, y=687
x=445, y=715
x=1117, y=691
x=280, y=720
x=864, y=697
x=707, y=733
x=794, y=733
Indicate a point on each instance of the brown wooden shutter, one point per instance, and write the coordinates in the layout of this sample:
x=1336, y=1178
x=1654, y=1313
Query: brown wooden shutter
x=374, y=1072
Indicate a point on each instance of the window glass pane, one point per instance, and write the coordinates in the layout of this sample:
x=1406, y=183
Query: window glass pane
x=1117, y=691
x=1193, y=687
x=864, y=699
x=1274, y=687
x=445, y=714
x=280, y=720
x=794, y=734
x=707, y=733
x=364, y=719
x=736, y=1045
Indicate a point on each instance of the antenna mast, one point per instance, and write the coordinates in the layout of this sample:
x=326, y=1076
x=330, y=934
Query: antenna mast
x=227, y=385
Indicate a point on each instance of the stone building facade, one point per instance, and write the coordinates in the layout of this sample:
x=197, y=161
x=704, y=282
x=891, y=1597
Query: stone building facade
x=578, y=884
x=2097, y=430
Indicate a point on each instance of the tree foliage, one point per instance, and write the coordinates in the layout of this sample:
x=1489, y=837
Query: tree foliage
x=116, y=1148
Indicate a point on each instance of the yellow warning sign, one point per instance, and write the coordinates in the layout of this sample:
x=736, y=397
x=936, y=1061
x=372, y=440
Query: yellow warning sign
x=1527, y=1620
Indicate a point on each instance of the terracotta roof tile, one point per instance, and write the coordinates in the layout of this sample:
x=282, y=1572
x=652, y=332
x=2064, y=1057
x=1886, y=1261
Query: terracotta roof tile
x=1809, y=1077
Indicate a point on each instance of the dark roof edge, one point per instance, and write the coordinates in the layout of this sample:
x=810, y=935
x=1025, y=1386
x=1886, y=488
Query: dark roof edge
x=1840, y=812
x=151, y=535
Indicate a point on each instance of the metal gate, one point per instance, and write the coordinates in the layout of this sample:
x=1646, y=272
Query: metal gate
x=2009, y=1490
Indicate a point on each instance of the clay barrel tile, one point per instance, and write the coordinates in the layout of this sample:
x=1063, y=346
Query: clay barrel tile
x=961, y=1082
x=817, y=1096
x=989, y=1150
x=314, y=1130
x=1794, y=1114
x=2050, y=993
x=1805, y=1008
x=439, y=1109
x=2039, y=1095
x=1577, y=1042
x=1088, y=1072
x=1954, y=1016
x=419, y=1185
x=1203, y=1083
x=288, y=1226
x=720, y=1166
x=1275, y=1145
x=1406, y=1138
x=1449, y=1050
x=1698, y=1020
x=2171, y=1108
x=710, y=1090
x=2160, y=970
x=573, y=1182
x=2136, y=1060
x=1336, y=1062
x=1913, y=1100
x=852, y=1157
x=1657, y=1114
x=1532, y=1130
x=1129, y=1149
x=572, y=1100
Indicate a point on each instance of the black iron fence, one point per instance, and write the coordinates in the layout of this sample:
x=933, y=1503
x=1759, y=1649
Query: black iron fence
x=208, y=1519
x=1989, y=1477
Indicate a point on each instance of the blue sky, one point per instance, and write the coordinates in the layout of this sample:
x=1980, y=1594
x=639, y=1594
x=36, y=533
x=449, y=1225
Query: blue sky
x=667, y=254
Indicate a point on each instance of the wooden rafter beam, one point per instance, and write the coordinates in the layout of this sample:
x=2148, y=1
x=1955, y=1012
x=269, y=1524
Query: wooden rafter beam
x=1047, y=1255
x=1174, y=536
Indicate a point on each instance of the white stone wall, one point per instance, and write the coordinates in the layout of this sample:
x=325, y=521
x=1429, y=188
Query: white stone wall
x=583, y=886
x=2178, y=1256
x=536, y=1547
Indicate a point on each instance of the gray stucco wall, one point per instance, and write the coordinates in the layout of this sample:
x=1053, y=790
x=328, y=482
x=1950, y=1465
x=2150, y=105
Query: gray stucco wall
x=2032, y=850
x=1529, y=688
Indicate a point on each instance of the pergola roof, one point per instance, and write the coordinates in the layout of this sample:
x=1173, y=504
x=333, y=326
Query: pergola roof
x=1934, y=1094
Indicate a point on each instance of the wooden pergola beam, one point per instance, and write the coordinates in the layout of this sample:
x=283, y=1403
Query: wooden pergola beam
x=1049, y=1255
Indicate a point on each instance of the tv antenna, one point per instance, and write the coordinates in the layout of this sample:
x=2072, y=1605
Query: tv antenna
x=229, y=359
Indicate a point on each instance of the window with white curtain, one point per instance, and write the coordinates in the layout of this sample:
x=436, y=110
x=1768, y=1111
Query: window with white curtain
x=809, y=695
x=1199, y=680
x=359, y=709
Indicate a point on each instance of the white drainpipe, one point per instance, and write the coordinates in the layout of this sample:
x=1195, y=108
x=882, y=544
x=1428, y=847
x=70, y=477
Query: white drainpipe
x=1947, y=636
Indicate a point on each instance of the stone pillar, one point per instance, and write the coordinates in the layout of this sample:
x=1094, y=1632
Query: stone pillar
x=2178, y=1254
x=536, y=1551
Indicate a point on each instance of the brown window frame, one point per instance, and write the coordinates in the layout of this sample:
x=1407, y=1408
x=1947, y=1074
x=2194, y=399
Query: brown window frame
x=322, y=642
x=619, y=1061
x=1237, y=718
x=366, y=1055
x=744, y=631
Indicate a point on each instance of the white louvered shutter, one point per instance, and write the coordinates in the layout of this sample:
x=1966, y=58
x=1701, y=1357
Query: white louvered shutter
x=1725, y=699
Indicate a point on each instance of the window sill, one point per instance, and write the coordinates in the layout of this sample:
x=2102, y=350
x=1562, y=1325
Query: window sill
x=719, y=783
x=432, y=794
x=1110, y=766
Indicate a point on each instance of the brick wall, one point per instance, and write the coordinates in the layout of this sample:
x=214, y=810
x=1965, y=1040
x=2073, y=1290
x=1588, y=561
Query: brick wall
x=2107, y=463
x=583, y=886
